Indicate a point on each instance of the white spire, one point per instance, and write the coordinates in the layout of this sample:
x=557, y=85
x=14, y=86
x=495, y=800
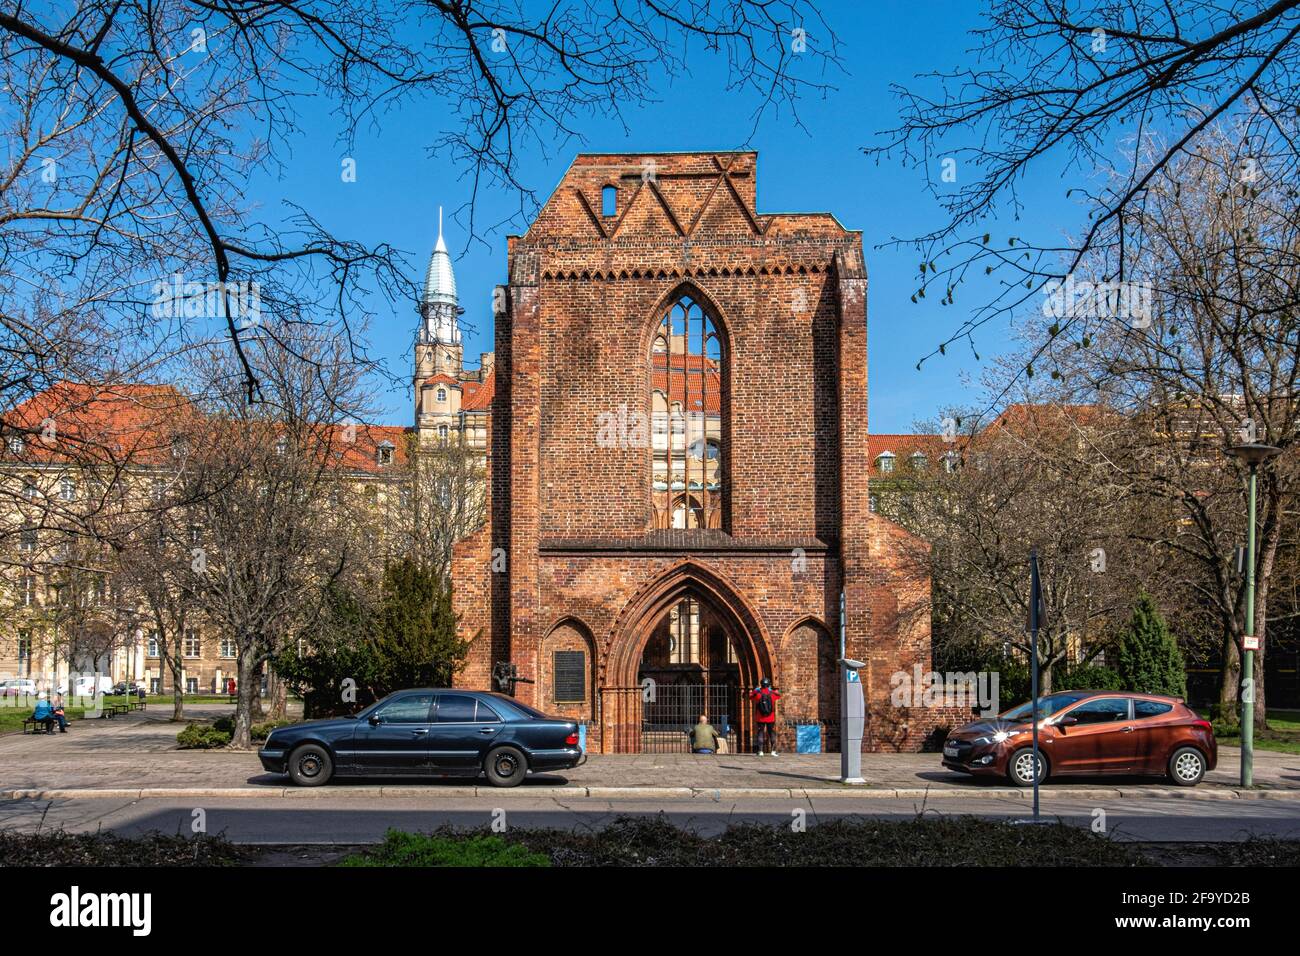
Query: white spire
x=439, y=304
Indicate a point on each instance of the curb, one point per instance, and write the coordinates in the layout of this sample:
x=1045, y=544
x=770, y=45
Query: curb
x=715, y=794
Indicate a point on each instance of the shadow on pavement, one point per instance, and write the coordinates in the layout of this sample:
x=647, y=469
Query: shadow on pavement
x=279, y=781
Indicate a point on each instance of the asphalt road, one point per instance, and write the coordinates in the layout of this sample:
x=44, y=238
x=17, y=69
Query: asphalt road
x=344, y=819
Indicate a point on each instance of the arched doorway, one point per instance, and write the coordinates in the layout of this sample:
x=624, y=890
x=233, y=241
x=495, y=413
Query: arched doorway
x=691, y=665
x=688, y=645
x=810, y=657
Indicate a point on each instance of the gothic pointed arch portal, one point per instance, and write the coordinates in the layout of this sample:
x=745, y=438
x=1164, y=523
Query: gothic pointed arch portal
x=687, y=644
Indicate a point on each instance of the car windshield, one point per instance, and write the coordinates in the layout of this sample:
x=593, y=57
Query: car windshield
x=1046, y=706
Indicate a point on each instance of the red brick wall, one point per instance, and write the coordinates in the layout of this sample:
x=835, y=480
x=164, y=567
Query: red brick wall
x=788, y=293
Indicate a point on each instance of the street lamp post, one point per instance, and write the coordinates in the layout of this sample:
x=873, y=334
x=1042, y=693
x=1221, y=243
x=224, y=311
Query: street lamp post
x=1253, y=454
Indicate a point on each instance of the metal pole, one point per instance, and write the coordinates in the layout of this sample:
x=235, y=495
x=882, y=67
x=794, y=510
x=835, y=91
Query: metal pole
x=1033, y=663
x=1248, y=652
x=842, y=637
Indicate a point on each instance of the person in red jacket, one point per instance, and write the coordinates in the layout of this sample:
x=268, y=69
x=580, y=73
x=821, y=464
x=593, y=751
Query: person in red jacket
x=765, y=697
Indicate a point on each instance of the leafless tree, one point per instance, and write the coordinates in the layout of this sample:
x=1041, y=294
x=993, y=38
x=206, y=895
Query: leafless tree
x=262, y=486
x=447, y=500
x=1056, y=90
x=154, y=565
x=1017, y=483
x=141, y=124
x=1211, y=363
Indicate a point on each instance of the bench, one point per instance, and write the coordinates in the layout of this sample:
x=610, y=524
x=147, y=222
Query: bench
x=45, y=723
x=112, y=710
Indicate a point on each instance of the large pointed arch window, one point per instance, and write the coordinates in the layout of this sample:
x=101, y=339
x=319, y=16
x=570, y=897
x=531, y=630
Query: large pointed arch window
x=687, y=480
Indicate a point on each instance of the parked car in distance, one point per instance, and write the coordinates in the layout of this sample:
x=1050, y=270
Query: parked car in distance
x=87, y=685
x=122, y=688
x=1088, y=733
x=18, y=687
x=435, y=732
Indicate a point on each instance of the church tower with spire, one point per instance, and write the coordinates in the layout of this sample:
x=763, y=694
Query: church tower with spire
x=438, y=348
x=450, y=403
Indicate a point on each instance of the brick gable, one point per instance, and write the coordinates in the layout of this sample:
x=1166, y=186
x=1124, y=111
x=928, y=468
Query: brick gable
x=572, y=522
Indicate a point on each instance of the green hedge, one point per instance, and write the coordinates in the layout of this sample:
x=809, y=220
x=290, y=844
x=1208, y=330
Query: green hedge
x=429, y=849
x=198, y=737
x=262, y=731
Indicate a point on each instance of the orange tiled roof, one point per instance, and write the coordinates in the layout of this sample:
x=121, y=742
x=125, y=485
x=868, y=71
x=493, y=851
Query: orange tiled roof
x=477, y=396
x=904, y=446
x=139, y=424
x=102, y=422
x=1022, y=413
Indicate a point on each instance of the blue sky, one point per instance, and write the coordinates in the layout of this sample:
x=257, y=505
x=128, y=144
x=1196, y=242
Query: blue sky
x=399, y=187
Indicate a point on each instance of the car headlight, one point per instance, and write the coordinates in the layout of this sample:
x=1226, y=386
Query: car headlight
x=998, y=737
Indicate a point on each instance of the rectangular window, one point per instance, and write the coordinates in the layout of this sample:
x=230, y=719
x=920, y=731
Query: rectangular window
x=228, y=647
x=24, y=653
x=27, y=540
x=28, y=583
x=155, y=685
x=191, y=645
x=684, y=633
x=570, y=676
x=191, y=685
x=153, y=645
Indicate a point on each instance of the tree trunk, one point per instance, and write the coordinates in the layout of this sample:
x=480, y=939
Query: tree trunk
x=278, y=696
x=258, y=712
x=1264, y=577
x=1229, y=677
x=178, y=691
x=246, y=698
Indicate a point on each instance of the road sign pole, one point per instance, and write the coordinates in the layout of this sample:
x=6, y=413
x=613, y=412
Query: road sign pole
x=1248, y=651
x=1033, y=663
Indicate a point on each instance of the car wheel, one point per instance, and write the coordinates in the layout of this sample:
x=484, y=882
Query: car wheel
x=1186, y=767
x=310, y=766
x=1020, y=768
x=505, y=767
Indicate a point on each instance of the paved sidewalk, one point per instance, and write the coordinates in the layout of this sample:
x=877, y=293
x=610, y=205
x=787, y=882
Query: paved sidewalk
x=135, y=756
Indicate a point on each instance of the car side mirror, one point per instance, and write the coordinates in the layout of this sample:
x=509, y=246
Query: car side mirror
x=374, y=720
x=1067, y=721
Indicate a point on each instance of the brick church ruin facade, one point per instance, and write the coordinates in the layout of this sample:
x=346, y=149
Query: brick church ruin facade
x=678, y=466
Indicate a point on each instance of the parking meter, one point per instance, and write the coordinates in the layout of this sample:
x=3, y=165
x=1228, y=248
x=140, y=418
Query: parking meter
x=853, y=719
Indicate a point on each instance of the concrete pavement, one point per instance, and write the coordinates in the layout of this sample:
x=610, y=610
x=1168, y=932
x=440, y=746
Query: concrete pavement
x=335, y=819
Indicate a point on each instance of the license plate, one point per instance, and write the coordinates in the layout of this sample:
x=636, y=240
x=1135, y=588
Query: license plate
x=950, y=751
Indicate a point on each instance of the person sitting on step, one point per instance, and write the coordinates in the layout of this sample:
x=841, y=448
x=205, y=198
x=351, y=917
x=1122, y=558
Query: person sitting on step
x=704, y=739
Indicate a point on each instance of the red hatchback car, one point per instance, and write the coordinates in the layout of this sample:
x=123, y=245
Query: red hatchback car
x=1087, y=733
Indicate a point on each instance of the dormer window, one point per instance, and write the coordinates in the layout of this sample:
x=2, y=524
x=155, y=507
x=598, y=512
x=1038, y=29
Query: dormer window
x=384, y=453
x=609, y=201
x=17, y=445
x=885, y=462
x=919, y=461
x=950, y=462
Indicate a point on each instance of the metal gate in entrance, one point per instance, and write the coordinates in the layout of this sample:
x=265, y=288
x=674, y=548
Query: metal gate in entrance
x=669, y=711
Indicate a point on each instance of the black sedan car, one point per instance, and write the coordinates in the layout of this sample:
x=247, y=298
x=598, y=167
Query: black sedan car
x=426, y=732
